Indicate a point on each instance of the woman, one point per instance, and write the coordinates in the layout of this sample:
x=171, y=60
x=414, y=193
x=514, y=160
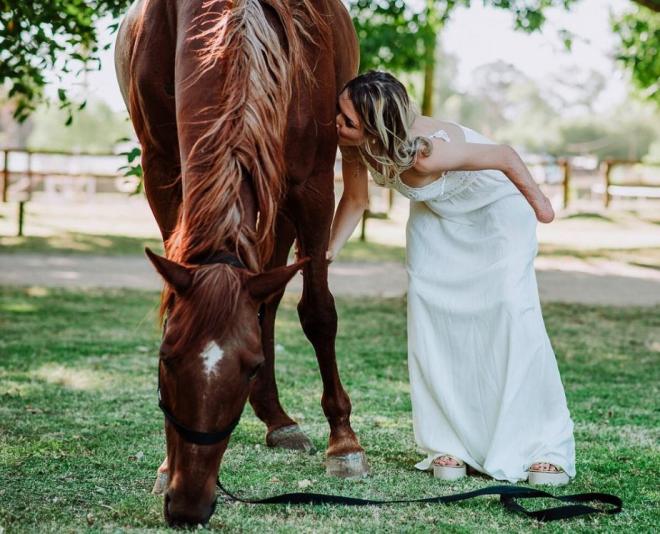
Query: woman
x=484, y=381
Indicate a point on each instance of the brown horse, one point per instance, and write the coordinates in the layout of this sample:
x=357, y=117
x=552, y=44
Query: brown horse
x=234, y=106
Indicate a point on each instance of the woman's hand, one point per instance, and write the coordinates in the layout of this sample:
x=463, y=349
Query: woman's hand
x=330, y=255
x=544, y=211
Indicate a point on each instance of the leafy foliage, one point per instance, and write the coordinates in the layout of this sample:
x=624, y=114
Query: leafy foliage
x=393, y=35
x=48, y=35
x=639, y=50
x=61, y=36
x=95, y=129
x=133, y=167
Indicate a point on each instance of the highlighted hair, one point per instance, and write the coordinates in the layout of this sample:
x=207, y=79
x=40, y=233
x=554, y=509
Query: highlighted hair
x=246, y=136
x=383, y=105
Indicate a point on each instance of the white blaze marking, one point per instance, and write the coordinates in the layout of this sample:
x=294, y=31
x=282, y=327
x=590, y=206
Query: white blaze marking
x=211, y=356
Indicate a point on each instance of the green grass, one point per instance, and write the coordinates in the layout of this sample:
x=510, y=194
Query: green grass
x=648, y=257
x=115, y=245
x=365, y=251
x=80, y=243
x=81, y=435
x=353, y=251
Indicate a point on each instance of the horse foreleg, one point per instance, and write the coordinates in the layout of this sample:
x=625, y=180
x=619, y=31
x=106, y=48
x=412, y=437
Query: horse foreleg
x=282, y=431
x=318, y=317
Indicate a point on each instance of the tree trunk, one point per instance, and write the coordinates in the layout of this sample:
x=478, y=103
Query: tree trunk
x=430, y=40
x=429, y=77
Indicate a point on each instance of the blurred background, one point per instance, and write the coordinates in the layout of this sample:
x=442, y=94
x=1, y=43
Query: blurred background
x=572, y=85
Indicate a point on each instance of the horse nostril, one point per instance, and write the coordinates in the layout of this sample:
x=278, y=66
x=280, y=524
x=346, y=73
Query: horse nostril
x=187, y=516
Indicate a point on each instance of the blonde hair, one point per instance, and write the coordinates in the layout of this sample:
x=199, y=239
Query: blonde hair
x=387, y=113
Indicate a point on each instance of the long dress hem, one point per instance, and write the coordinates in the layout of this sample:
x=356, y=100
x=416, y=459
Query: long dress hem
x=484, y=381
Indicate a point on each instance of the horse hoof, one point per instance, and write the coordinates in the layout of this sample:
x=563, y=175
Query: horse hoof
x=351, y=465
x=160, y=486
x=290, y=437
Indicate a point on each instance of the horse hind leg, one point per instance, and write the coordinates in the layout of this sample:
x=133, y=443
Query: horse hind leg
x=282, y=431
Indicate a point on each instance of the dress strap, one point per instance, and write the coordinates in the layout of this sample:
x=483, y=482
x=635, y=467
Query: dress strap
x=441, y=134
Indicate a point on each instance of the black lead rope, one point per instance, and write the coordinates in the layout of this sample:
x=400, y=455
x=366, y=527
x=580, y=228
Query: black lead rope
x=508, y=496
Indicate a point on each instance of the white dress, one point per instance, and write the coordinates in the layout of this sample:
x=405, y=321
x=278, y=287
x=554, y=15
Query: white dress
x=484, y=380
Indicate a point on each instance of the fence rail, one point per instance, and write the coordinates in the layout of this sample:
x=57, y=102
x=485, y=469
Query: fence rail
x=29, y=176
x=629, y=189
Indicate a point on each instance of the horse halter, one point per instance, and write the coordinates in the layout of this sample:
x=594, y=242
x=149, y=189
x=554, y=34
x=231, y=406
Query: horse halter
x=188, y=434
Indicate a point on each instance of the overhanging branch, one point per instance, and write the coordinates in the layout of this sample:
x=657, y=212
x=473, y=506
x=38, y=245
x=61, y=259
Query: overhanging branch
x=653, y=5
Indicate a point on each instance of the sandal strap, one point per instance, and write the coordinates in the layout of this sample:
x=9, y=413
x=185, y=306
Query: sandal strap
x=558, y=470
x=460, y=462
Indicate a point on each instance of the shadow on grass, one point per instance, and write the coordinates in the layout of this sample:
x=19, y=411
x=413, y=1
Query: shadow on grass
x=117, y=245
x=648, y=257
x=590, y=215
x=79, y=243
x=358, y=251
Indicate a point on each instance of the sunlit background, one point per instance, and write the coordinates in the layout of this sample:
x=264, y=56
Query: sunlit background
x=559, y=95
x=80, y=432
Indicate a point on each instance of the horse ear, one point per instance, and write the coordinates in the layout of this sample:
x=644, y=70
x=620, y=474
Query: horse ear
x=175, y=274
x=264, y=285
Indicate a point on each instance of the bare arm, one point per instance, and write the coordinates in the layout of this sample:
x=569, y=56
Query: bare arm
x=354, y=200
x=476, y=157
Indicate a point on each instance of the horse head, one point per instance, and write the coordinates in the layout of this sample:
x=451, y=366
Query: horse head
x=210, y=351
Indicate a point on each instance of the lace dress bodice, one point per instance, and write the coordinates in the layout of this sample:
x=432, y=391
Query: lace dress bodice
x=448, y=184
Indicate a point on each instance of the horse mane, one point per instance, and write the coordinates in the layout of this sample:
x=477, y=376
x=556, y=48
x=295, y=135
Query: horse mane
x=246, y=135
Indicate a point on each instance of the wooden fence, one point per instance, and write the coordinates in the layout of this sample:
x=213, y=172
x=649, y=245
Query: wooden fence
x=638, y=188
x=27, y=178
x=32, y=177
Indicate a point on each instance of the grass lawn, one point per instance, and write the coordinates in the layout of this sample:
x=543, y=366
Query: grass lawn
x=118, y=245
x=81, y=435
x=79, y=243
x=354, y=251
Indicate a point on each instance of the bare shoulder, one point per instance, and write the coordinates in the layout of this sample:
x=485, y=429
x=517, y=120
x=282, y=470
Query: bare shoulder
x=426, y=126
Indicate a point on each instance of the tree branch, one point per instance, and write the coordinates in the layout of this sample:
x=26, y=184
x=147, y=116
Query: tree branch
x=653, y=5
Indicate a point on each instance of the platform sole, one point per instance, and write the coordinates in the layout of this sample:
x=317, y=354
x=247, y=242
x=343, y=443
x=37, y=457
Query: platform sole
x=543, y=478
x=449, y=472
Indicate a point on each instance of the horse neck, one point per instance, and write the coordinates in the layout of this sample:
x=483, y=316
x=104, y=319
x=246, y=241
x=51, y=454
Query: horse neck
x=199, y=233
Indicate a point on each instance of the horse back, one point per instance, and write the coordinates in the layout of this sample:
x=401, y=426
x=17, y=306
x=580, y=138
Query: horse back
x=311, y=135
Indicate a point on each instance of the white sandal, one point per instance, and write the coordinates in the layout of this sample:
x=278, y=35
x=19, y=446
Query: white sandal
x=546, y=477
x=448, y=472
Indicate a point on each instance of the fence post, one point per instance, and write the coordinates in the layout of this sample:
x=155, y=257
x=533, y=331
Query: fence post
x=566, y=169
x=21, y=217
x=30, y=177
x=608, y=169
x=363, y=226
x=5, y=176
